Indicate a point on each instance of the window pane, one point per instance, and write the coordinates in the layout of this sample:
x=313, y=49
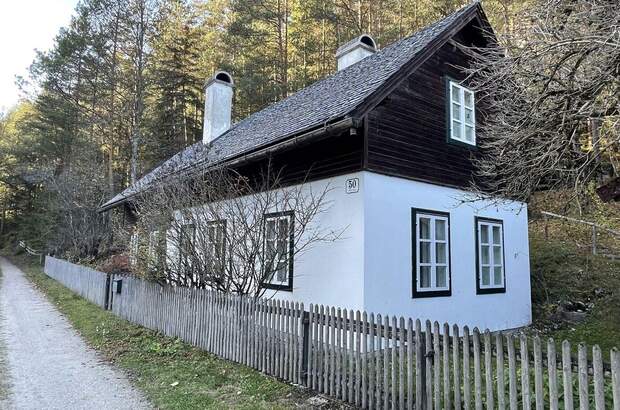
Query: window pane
x=425, y=252
x=455, y=94
x=440, y=229
x=497, y=255
x=425, y=276
x=283, y=228
x=469, y=98
x=497, y=276
x=440, y=252
x=469, y=133
x=456, y=111
x=271, y=249
x=440, y=277
x=456, y=129
x=220, y=235
x=425, y=228
x=271, y=229
x=469, y=116
x=497, y=235
x=484, y=234
x=281, y=247
x=485, y=276
x=281, y=274
x=484, y=255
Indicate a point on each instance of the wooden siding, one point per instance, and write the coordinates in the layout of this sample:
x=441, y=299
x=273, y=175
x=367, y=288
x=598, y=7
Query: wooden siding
x=407, y=132
x=332, y=156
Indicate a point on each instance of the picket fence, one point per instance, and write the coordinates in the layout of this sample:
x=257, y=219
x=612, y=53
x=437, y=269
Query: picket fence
x=374, y=361
x=88, y=283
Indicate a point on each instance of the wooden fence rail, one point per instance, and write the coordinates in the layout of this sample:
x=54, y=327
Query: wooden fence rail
x=375, y=361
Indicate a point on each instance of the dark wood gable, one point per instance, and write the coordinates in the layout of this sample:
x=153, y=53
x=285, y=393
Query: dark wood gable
x=407, y=132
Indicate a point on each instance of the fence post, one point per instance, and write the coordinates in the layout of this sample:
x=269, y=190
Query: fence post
x=108, y=283
x=421, y=367
x=305, y=322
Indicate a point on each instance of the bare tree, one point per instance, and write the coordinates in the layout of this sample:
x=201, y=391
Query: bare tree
x=221, y=230
x=550, y=99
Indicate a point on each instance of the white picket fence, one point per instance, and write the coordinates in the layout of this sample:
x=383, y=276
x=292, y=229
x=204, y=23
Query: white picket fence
x=88, y=283
x=374, y=361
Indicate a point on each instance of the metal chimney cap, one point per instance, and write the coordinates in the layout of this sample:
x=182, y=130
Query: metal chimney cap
x=221, y=77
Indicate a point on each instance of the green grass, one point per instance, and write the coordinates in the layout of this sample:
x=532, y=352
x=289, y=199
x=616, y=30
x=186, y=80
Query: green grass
x=172, y=374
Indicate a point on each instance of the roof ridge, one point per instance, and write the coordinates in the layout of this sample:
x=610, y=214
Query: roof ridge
x=336, y=73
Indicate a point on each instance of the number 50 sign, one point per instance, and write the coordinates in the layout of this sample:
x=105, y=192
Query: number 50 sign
x=352, y=185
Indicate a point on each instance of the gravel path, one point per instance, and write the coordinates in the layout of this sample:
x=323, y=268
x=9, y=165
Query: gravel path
x=49, y=365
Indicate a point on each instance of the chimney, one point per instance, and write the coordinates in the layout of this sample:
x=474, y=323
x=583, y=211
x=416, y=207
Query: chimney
x=355, y=50
x=218, y=106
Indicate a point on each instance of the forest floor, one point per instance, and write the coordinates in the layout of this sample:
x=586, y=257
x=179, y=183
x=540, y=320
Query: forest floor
x=172, y=374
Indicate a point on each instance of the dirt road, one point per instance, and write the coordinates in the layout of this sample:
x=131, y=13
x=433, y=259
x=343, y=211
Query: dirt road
x=48, y=365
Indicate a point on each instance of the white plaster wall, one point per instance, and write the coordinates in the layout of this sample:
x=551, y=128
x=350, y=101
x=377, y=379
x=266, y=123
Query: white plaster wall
x=328, y=273
x=388, y=256
x=331, y=273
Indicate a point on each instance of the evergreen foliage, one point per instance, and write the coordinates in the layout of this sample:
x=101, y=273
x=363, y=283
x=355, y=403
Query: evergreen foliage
x=122, y=90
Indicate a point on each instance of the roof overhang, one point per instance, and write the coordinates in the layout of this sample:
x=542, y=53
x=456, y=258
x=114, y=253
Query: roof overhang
x=301, y=138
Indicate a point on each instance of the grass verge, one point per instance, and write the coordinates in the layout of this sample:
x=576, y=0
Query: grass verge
x=172, y=374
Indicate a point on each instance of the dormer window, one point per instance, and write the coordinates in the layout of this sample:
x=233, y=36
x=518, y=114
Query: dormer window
x=462, y=114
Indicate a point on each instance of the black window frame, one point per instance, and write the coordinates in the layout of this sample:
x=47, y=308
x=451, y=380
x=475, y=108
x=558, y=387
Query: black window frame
x=415, y=293
x=291, y=215
x=493, y=290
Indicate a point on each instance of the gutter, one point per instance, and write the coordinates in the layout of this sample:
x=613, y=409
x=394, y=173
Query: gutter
x=304, y=138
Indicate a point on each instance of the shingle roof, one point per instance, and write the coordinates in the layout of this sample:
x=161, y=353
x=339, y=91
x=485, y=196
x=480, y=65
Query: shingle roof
x=326, y=100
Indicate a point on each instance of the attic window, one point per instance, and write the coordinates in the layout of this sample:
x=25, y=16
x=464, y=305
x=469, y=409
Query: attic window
x=462, y=114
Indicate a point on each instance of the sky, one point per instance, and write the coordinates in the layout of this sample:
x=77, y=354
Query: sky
x=26, y=25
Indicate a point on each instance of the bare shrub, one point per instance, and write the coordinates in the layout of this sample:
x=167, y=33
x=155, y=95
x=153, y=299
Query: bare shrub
x=224, y=231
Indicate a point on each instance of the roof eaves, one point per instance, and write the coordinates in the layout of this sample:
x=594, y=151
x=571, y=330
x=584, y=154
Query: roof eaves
x=325, y=128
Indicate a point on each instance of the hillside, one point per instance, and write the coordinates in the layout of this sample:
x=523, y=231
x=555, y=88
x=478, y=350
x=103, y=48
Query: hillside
x=576, y=295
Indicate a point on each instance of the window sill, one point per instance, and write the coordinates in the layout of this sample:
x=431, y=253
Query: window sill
x=286, y=288
x=462, y=144
x=490, y=291
x=431, y=293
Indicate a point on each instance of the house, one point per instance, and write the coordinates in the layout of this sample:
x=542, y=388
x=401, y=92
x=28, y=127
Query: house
x=394, y=132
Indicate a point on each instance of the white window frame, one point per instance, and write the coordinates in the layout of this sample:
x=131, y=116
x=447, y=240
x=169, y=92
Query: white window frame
x=285, y=259
x=459, y=117
x=493, y=263
x=433, y=289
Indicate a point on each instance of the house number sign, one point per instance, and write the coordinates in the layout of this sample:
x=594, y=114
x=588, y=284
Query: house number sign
x=353, y=185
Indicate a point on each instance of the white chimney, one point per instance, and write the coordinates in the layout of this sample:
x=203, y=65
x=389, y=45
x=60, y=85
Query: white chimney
x=355, y=50
x=218, y=106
